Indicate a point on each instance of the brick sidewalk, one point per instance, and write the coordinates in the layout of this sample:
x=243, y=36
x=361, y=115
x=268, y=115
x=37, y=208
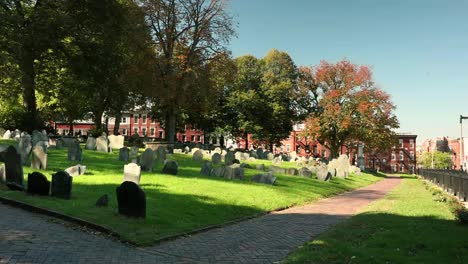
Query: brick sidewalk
x=31, y=238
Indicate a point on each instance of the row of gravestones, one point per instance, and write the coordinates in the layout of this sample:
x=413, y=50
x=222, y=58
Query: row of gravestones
x=60, y=187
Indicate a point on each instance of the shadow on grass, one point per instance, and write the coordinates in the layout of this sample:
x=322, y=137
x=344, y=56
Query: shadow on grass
x=388, y=238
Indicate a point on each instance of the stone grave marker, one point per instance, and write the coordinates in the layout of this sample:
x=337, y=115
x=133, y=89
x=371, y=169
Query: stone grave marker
x=90, y=143
x=124, y=154
x=62, y=184
x=292, y=155
x=260, y=167
x=59, y=144
x=38, y=184
x=7, y=134
x=74, y=151
x=206, y=168
x=161, y=154
x=266, y=178
x=170, y=167
x=132, y=172
x=116, y=142
x=305, y=172
x=270, y=156
x=234, y=171
x=147, y=160
x=218, y=171
x=216, y=158
x=229, y=158
x=198, y=156
x=323, y=174
x=131, y=200
x=13, y=169
x=291, y=171
x=76, y=170
x=24, y=148
x=134, y=154
x=101, y=144
x=39, y=158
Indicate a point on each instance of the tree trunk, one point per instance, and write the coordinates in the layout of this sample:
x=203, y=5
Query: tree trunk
x=29, y=91
x=118, y=117
x=70, y=132
x=98, y=119
x=246, y=141
x=271, y=147
x=171, y=127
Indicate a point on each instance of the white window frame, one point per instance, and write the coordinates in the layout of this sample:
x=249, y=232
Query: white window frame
x=143, y=118
x=144, y=131
x=123, y=120
x=136, y=131
x=411, y=143
x=393, y=155
x=136, y=118
x=152, y=131
x=161, y=134
x=401, y=155
x=124, y=131
x=288, y=147
x=400, y=142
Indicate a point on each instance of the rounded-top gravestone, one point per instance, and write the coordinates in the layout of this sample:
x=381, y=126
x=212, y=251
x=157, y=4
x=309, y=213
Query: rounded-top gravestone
x=62, y=184
x=147, y=160
x=216, y=158
x=131, y=200
x=38, y=184
x=198, y=156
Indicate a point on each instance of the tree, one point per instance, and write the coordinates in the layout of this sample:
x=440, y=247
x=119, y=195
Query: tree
x=186, y=34
x=348, y=107
x=435, y=160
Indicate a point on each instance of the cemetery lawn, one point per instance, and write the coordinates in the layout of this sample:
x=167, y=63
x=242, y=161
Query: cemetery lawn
x=176, y=204
x=407, y=226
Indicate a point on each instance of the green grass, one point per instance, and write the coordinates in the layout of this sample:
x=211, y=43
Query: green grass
x=179, y=203
x=407, y=226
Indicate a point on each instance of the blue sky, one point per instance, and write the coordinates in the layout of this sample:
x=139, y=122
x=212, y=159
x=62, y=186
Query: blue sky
x=418, y=49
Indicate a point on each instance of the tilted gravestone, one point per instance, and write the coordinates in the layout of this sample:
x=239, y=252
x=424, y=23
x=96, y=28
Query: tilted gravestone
x=266, y=178
x=124, y=154
x=90, y=143
x=170, y=167
x=38, y=184
x=305, y=172
x=24, y=148
x=323, y=174
x=132, y=172
x=116, y=142
x=161, y=154
x=206, y=168
x=62, y=185
x=74, y=151
x=147, y=160
x=198, y=156
x=216, y=158
x=101, y=144
x=39, y=158
x=131, y=200
x=234, y=171
x=76, y=170
x=13, y=169
x=229, y=158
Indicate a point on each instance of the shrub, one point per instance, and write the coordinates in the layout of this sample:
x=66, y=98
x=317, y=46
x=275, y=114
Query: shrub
x=462, y=215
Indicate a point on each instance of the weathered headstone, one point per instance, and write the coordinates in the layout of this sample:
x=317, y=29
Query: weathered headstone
x=90, y=143
x=116, y=142
x=62, y=184
x=124, y=154
x=277, y=160
x=39, y=158
x=292, y=155
x=102, y=201
x=305, y=172
x=147, y=160
x=245, y=156
x=38, y=184
x=198, y=156
x=234, y=171
x=216, y=158
x=101, y=144
x=206, y=168
x=260, y=167
x=76, y=170
x=187, y=150
x=161, y=154
x=291, y=171
x=38, y=136
x=266, y=178
x=7, y=134
x=24, y=148
x=13, y=169
x=270, y=156
x=132, y=172
x=277, y=170
x=2, y=131
x=74, y=151
x=59, y=144
x=134, y=154
x=170, y=167
x=323, y=174
x=229, y=158
x=355, y=170
x=260, y=153
x=342, y=169
x=218, y=171
x=131, y=200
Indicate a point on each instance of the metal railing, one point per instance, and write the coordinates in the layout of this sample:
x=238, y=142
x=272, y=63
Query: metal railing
x=452, y=181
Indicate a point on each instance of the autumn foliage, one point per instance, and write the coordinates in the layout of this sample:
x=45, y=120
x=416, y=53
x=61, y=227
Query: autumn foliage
x=348, y=107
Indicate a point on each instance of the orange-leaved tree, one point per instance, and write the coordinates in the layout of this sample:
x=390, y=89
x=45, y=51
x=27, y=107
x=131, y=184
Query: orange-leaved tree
x=348, y=107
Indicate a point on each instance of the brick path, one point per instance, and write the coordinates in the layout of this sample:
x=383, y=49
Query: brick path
x=32, y=238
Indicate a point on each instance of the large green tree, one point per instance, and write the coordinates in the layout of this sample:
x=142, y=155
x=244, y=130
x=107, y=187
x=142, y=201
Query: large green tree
x=186, y=34
x=435, y=160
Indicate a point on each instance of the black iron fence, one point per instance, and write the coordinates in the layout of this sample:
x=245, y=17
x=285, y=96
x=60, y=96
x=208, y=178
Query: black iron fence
x=451, y=181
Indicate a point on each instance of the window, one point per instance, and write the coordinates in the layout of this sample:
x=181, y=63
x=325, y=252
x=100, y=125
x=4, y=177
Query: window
x=123, y=120
x=411, y=143
x=401, y=155
x=288, y=147
x=143, y=119
x=143, y=131
x=124, y=131
x=161, y=134
x=153, y=120
x=135, y=130
x=411, y=167
x=192, y=138
x=393, y=155
x=184, y=138
x=199, y=138
x=394, y=168
x=402, y=169
x=282, y=148
x=412, y=155
x=152, y=131
x=135, y=118
x=400, y=141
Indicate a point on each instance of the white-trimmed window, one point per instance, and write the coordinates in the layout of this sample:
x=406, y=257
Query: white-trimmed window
x=124, y=131
x=411, y=143
x=394, y=168
x=143, y=119
x=412, y=155
x=402, y=168
x=393, y=155
x=135, y=130
x=199, y=138
x=143, y=131
x=401, y=155
x=400, y=142
x=192, y=138
x=161, y=134
x=135, y=118
x=288, y=147
x=153, y=120
x=123, y=120
x=184, y=138
x=152, y=131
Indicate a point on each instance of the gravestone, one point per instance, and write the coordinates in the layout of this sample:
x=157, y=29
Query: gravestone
x=62, y=185
x=245, y=165
x=234, y=171
x=101, y=144
x=270, y=156
x=238, y=155
x=124, y=154
x=260, y=167
x=229, y=158
x=13, y=169
x=198, y=156
x=76, y=170
x=38, y=136
x=291, y=171
x=355, y=170
x=132, y=172
x=260, y=153
x=131, y=200
x=59, y=144
x=147, y=160
x=2, y=131
x=102, y=201
x=323, y=174
x=217, y=150
x=266, y=178
x=38, y=184
x=178, y=151
x=39, y=158
x=2, y=173
x=292, y=155
x=7, y=134
x=206, y=168
x=245, y=156
x=90, y=143
x=277, y=170
x=134, y=154
x=74, y=151
x=332, y=165
x=218, y=171
x=342, y=168
x=187, y=150
x=216, y=158
x=116, y=142
x=170, y=167
x=161, y=154
x=277, y=160
x=24, y=148
x=305, y=172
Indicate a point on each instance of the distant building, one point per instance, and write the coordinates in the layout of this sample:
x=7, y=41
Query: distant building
x=447, y=144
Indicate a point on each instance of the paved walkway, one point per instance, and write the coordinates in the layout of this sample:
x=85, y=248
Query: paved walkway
x=32, y=238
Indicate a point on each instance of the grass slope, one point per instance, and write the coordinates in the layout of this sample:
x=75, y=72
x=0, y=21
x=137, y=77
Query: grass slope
x=179, y=203
x=407, y=226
